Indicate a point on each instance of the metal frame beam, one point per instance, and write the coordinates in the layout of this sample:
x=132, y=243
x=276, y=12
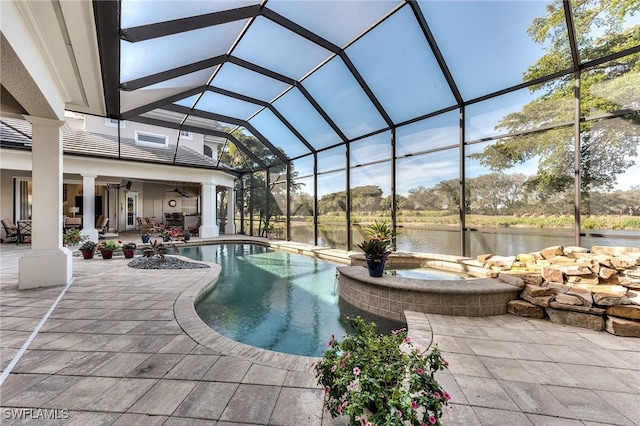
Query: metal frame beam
x=176, y=26
x=435, y=50
x=267, y=105
x=152, y=79
x=320, y=41
x=106, y=15
x=231, y=120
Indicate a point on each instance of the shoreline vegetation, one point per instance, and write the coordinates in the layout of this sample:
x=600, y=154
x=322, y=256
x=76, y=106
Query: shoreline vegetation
x=415, y=219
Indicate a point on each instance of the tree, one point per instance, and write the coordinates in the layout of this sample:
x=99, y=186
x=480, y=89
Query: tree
x=421, y=198
x=402, y=203
x=496, y=193
x=366, y=198
x=607, y=148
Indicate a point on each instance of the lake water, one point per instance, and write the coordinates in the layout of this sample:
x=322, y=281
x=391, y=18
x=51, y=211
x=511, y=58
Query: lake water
x=506, y=242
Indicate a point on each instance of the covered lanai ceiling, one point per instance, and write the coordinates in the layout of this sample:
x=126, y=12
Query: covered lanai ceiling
x=304, y=76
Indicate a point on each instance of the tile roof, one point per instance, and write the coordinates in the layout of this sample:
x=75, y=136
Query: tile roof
x=16, y=134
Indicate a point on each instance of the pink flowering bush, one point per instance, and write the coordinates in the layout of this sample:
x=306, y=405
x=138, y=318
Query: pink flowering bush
x=381, y=379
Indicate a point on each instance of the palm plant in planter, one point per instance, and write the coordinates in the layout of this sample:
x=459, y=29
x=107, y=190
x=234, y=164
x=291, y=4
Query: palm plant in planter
x=376, y=252
x=378, y=247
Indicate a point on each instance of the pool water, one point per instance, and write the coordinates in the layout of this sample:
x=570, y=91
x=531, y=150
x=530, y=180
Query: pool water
x=425, y=274
x=275, y=300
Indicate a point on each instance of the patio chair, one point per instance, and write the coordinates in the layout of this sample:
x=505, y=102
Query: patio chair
x=143, y=226
x=24, y=231
x=103, y=227
x=11, y=231
x=154, y=226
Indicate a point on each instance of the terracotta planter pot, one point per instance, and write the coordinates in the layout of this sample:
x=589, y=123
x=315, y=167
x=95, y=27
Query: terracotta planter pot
x=107, y=254
x=129, y=253
x=87, y=254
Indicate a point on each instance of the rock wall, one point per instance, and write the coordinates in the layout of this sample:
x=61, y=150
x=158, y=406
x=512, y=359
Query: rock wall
x=598, y=289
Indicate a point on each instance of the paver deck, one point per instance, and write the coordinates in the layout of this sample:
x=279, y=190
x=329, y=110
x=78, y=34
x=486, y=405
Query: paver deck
x=123, y=347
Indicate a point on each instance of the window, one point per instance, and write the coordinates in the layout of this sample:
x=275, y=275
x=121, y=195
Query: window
x=207, y=151
x=149, y=139
x=186, y=135
x=113, y=122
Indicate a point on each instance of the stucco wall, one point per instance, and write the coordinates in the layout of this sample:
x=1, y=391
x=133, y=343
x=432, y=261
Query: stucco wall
x=97, y=125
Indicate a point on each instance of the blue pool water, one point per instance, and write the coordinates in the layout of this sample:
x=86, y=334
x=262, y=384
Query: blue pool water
x=275, y=300
x=426, y=274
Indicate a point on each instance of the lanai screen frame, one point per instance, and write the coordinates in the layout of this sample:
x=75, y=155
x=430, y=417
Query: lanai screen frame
x=110, y=47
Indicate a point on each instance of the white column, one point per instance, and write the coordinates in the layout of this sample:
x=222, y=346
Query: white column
x=230, y=226
x=209, y=227
x=48, y=263
x=89, y=207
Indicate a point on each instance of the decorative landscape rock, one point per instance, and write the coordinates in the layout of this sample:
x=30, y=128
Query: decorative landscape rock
x=559, y=287
x=567, y=299
x=576, y=286
x=511, y=279
x=574, y=308
x=522, y=308
x=622, y=327
x=576, y=319
x=551, y=252
x=539, y=300
x=608, y=299
x=538, y=291
x=552, y=274
x=583, y=294
x=625, y=311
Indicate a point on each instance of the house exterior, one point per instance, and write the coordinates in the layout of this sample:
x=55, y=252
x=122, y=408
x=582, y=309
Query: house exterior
x=150, y=184
x=146, y=171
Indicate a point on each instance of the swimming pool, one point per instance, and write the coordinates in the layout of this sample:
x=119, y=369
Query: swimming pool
x=275, y=300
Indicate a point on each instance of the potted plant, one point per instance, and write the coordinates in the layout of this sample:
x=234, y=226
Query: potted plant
x=270, y=230
x=73, y=237
x=376, y=252
x=381, y=379
x=166, y=237
x=106, y=248
x=145, y=238
x=88, y=248
x=186, y=235
x=377, y=247
x=129, y=249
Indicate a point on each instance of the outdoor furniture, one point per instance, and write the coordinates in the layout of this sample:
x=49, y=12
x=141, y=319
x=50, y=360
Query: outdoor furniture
x=24, y=231
x=143, y=226
x=72, y=223
x=154, y=226
x=174, y=220
x=11, y=231
x=103, y=227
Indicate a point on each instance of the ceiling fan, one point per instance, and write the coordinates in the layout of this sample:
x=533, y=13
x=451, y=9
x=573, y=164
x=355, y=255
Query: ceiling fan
x=182, y=192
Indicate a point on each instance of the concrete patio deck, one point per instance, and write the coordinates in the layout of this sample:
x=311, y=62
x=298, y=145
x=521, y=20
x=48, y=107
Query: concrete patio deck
x=123, y=347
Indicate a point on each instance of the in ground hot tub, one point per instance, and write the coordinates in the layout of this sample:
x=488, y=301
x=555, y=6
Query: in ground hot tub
x=389, y=296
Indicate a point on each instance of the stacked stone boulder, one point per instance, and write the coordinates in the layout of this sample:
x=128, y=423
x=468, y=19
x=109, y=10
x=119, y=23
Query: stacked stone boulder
x=598, y=289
